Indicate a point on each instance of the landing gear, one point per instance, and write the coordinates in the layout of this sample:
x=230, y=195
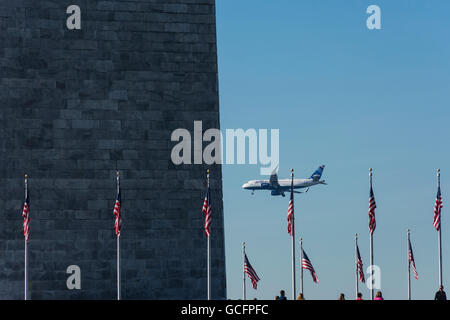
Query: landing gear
x=253, y=192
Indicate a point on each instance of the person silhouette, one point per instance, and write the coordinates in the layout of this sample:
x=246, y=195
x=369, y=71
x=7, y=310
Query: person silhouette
x=378, y=296
x=282, y=295
x=300, y=296
x=440, y=295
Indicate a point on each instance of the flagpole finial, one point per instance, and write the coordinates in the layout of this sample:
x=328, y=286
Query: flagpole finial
x=356, y=235
x=118, y=173
x=292, y=170
x=26, y=176
x=207, y=171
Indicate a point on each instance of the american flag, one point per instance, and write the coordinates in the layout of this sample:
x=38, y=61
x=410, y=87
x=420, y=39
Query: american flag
x=306, y=264
x=359, y=265
x=290, y=216
x=207, y=211
x=26, y=218
x=248, y=269
x=437, y=210
x=118, y=214
x=372, y=206
x=411, y=260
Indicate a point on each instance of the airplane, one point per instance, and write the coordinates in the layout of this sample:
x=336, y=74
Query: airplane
x=279, y=187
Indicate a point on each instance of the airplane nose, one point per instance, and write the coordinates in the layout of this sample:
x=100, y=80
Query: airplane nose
x=245, y=186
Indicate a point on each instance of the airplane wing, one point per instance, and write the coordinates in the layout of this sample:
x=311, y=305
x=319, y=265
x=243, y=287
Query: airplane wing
x=274, y=178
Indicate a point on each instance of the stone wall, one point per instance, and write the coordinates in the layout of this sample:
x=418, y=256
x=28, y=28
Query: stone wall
x=75, y=105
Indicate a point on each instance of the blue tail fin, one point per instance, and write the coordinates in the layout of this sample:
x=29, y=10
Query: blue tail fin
x=318, y=173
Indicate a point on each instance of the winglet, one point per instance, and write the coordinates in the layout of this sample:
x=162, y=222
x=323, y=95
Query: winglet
x=273, y=180
x=275, y=170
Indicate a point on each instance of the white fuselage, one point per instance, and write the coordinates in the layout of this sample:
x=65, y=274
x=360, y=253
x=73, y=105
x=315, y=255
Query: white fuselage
x=279, y=187
x=283, y=184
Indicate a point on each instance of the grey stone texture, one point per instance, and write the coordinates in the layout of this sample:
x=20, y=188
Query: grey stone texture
x=75, y=105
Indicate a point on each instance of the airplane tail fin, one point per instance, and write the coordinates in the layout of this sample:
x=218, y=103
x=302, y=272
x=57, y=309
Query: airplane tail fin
x=318, y=173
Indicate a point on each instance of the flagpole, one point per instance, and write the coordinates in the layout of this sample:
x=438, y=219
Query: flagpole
x=293, y=243
x=26, y=247
x=356, y=265
x=118, y=246
x=409, y=268
x=118, y=267
x=208, y=262
x=301, y=266
x=439, y=233
x=243, y=272
x=371, y=249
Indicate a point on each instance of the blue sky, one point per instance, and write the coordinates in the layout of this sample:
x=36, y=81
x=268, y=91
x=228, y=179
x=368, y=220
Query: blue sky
x=349, y=98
